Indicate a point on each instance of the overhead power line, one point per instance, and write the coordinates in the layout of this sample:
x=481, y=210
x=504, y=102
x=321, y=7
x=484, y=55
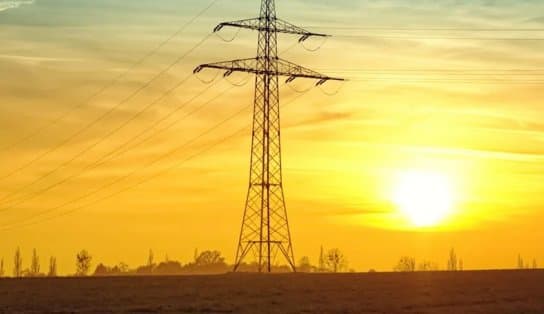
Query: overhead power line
x=28, y=221
x=429, y=80
x=429, y=29
x=485, y=76
x=101, y=139
x=427, y=70
x=396, y=37
x=108, y=85
x=105, y=114
x=146, y=166
x=124, y=147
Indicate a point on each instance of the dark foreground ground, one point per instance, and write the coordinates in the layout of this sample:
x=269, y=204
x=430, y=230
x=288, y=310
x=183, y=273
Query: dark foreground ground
x=495, y=292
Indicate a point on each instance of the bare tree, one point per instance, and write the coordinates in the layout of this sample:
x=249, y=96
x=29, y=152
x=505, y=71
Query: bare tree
x=406, y=264
x=452, y=261
x=521, y=264
x=123, y=268
x=304, y=265
x=52, y=267
x=34, y=265
x=2, y=272
x=205, y=262
x=209, y=258
x=461, y=265
x=427, y=266
x=18, y=264
x=535, y=265
x=150, y=259
x=149, y=267
x=335, y=261
x=83, y=263
x=321, y=264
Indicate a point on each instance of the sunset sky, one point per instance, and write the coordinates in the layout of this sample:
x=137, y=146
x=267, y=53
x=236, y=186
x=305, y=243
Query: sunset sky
x=451, y=88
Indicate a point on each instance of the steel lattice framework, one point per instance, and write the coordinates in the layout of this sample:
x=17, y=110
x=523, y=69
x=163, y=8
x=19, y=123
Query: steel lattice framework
x=265, y=228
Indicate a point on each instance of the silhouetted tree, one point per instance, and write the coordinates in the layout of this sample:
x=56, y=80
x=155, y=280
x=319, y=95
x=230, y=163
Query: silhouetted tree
x=207, y=262
x=150, y=259
x=452, y=261
x=461, y=265
x=304, y=265
x=144, y=270
x=52, y=267
x=335, y=261
x=321, y=263
x=119, y=270
x=169, y=268
x=18, y=264
x=427, y=266
x=123, y=268
x=209, y=258
x=521, y=265
x=535, y=265
x=148, y=268
x=101, y=270
x=34, y=265
x=406, y=264
x=2, y=272
x=83, y=263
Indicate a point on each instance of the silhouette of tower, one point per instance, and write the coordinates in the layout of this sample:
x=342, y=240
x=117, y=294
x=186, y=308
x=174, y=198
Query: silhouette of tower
x=265, y=228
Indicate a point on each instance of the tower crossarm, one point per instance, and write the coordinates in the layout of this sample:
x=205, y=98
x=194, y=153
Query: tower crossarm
x=282, y=68
x=294, y=71
x=279, y=26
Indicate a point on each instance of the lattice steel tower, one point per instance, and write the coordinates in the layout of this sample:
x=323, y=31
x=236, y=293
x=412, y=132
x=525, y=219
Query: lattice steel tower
x=265, y=227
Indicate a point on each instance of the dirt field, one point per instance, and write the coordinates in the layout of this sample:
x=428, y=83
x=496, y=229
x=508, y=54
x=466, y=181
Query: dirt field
x=494, y=292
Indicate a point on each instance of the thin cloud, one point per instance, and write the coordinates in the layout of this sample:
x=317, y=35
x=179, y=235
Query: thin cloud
x=31, y=60
x=13, y=4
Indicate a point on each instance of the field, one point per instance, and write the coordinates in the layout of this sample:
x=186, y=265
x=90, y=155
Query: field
x=494, y=292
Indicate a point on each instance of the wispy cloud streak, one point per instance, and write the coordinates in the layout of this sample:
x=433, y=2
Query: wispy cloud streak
x=13, y=4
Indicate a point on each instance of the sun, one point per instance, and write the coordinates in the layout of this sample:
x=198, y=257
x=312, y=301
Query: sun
x=424, y=198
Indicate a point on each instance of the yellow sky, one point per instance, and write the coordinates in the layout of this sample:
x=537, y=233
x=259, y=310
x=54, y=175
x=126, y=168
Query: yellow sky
x=467, y=106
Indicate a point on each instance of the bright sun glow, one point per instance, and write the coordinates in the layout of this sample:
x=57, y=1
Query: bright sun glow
x=425, y=198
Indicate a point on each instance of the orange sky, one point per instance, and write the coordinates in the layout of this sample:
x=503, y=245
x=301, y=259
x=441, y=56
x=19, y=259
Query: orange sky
x=465, y=104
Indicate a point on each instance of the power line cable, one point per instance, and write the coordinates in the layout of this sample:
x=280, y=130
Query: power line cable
x=407, y=81
x=105, y=114
x=439, y=38
x=100, y=140
x=426, y=70
x=125, y=147
x=111, y=83
x=25, y=221
x=431, y=29
x=135, y=171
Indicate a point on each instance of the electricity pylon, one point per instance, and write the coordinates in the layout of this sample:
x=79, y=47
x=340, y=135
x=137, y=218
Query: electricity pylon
x=265, y=227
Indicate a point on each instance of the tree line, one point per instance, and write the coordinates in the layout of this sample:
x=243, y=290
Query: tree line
x=205, y=262
x=525, y=265
x=34, y=269
x=408, y=264
x=329, y=261
x=212, y=262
